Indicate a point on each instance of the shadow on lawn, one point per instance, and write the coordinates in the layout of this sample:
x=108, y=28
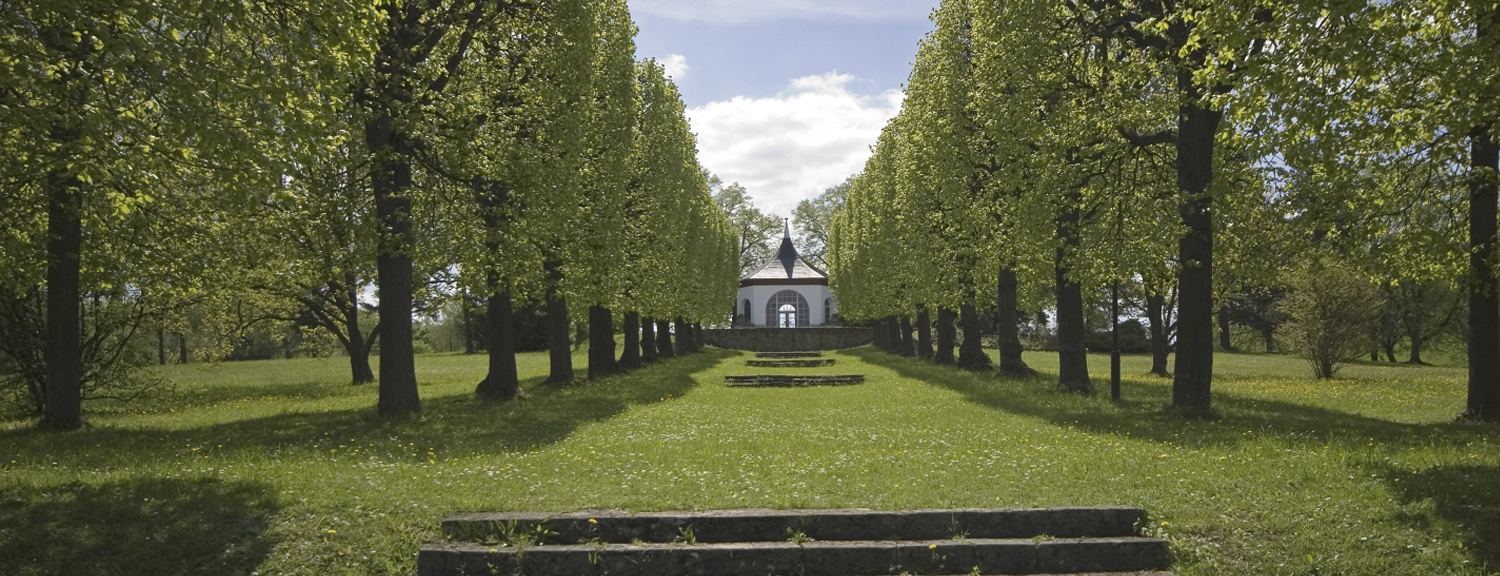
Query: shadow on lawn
x=146, y=527
x=456, y=422
x=1143, y=415
x=1466, y=496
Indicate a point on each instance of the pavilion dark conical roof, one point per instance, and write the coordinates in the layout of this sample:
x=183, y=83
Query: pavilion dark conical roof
x=786, y=267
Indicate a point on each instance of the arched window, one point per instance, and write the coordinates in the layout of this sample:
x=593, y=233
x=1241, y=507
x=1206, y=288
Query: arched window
x=798, y=304
x=747, y=309
x=786, y=317
x=827, y=310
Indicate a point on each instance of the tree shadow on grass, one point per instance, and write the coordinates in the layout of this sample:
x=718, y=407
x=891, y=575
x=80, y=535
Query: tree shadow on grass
x=149, y=527
x=1144, y=416
x=1467, y=497
x=455, y=423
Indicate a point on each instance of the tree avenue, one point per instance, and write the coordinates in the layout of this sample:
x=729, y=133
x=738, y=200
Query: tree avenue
x=349, y=161
x=1082, y=148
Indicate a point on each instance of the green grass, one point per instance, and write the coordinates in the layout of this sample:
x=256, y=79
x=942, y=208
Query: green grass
x=281, y=467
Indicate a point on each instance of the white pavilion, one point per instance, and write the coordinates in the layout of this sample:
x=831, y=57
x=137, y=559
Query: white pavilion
x=785, y=292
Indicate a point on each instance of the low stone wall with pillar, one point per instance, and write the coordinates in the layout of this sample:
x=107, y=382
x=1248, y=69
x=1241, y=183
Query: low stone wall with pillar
x=787, y=339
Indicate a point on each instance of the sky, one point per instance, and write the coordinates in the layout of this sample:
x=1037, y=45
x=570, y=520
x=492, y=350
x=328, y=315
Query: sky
x=786, y=96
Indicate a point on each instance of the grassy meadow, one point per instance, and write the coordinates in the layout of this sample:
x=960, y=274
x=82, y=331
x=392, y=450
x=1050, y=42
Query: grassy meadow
x=282, y=467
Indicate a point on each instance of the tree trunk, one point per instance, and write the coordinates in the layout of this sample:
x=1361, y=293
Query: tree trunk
x=1266, y=334
x=630, y=357
x=1156, y=315
x=601, y=342
x=1416, y=348
x=946, y=335
x=390, y=181
x=1225, y=343
x=559, y=329
x=664, y=339
x=1114, y=341
x=924, y=333
x=501, y=383
x=1009, y=326
x=908, y=347
x=648, y=340
x=1484, y=290
x=357, y=348
x=161, y=346
x=684, y=338
x=183, y=356
x=64, y=357
x=971, y=354
x=1193, y=375
x=1072, y=352
x=468, y=320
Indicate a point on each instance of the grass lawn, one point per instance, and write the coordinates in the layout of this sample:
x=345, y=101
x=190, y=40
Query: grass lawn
x=281, y=467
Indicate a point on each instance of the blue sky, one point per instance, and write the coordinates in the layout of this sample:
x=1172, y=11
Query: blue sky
x=786, y=96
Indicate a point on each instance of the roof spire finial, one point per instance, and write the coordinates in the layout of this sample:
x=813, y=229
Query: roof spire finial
x=788, y=223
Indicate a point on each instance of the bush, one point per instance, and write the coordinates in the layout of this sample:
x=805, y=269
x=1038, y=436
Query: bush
x=113, y=347
x=1133, y=338
x=1334, y=310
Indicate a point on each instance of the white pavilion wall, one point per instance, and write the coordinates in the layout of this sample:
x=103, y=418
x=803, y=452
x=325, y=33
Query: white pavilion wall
x=760, y=295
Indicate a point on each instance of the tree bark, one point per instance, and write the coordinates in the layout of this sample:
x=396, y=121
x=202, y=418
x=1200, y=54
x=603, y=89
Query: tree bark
x=357, y=348
x=908, y=347
x=183, y=356
x=1484, y=290
x=630, y=357
x=648, y=340
x=1009, y=327
x=1225, y=343
x=468, y=320
x=390, y=181
x=1072, y=352
x=502, y=382
x=1193, y=374
x=64, y=357
x=924, y=333
x=559, y=329
x=1415, y=358
x=946, y=335
x=664, y=339
x=1156, y=315
x=684, y=337
x=971, y=354
x=601, y=342
x=161, y=346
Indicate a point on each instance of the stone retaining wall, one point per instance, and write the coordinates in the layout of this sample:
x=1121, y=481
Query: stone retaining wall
x=787, y=339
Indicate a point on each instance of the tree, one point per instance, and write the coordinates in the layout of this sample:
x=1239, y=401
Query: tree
x=1333, y=311
x=756, y=228
x=811, y=219
x=104, y=101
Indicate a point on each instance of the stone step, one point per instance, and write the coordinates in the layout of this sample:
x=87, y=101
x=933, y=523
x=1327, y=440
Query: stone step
x=788, y=354
x=790, y=363
x=811, y=558
x=765, y=525
x=790, y=381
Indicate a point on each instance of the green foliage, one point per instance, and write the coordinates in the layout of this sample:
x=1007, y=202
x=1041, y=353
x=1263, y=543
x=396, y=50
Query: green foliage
x=1334, y=310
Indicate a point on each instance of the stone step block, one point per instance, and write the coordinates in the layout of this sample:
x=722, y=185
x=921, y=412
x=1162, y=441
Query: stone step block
x=813, y=363
x=788, y=354
x=814, y=558
x=765, y=525
x=791, y=381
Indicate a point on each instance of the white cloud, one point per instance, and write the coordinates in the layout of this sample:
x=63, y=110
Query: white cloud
x=795, y=145
x=676, y=66
x=738, y=11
